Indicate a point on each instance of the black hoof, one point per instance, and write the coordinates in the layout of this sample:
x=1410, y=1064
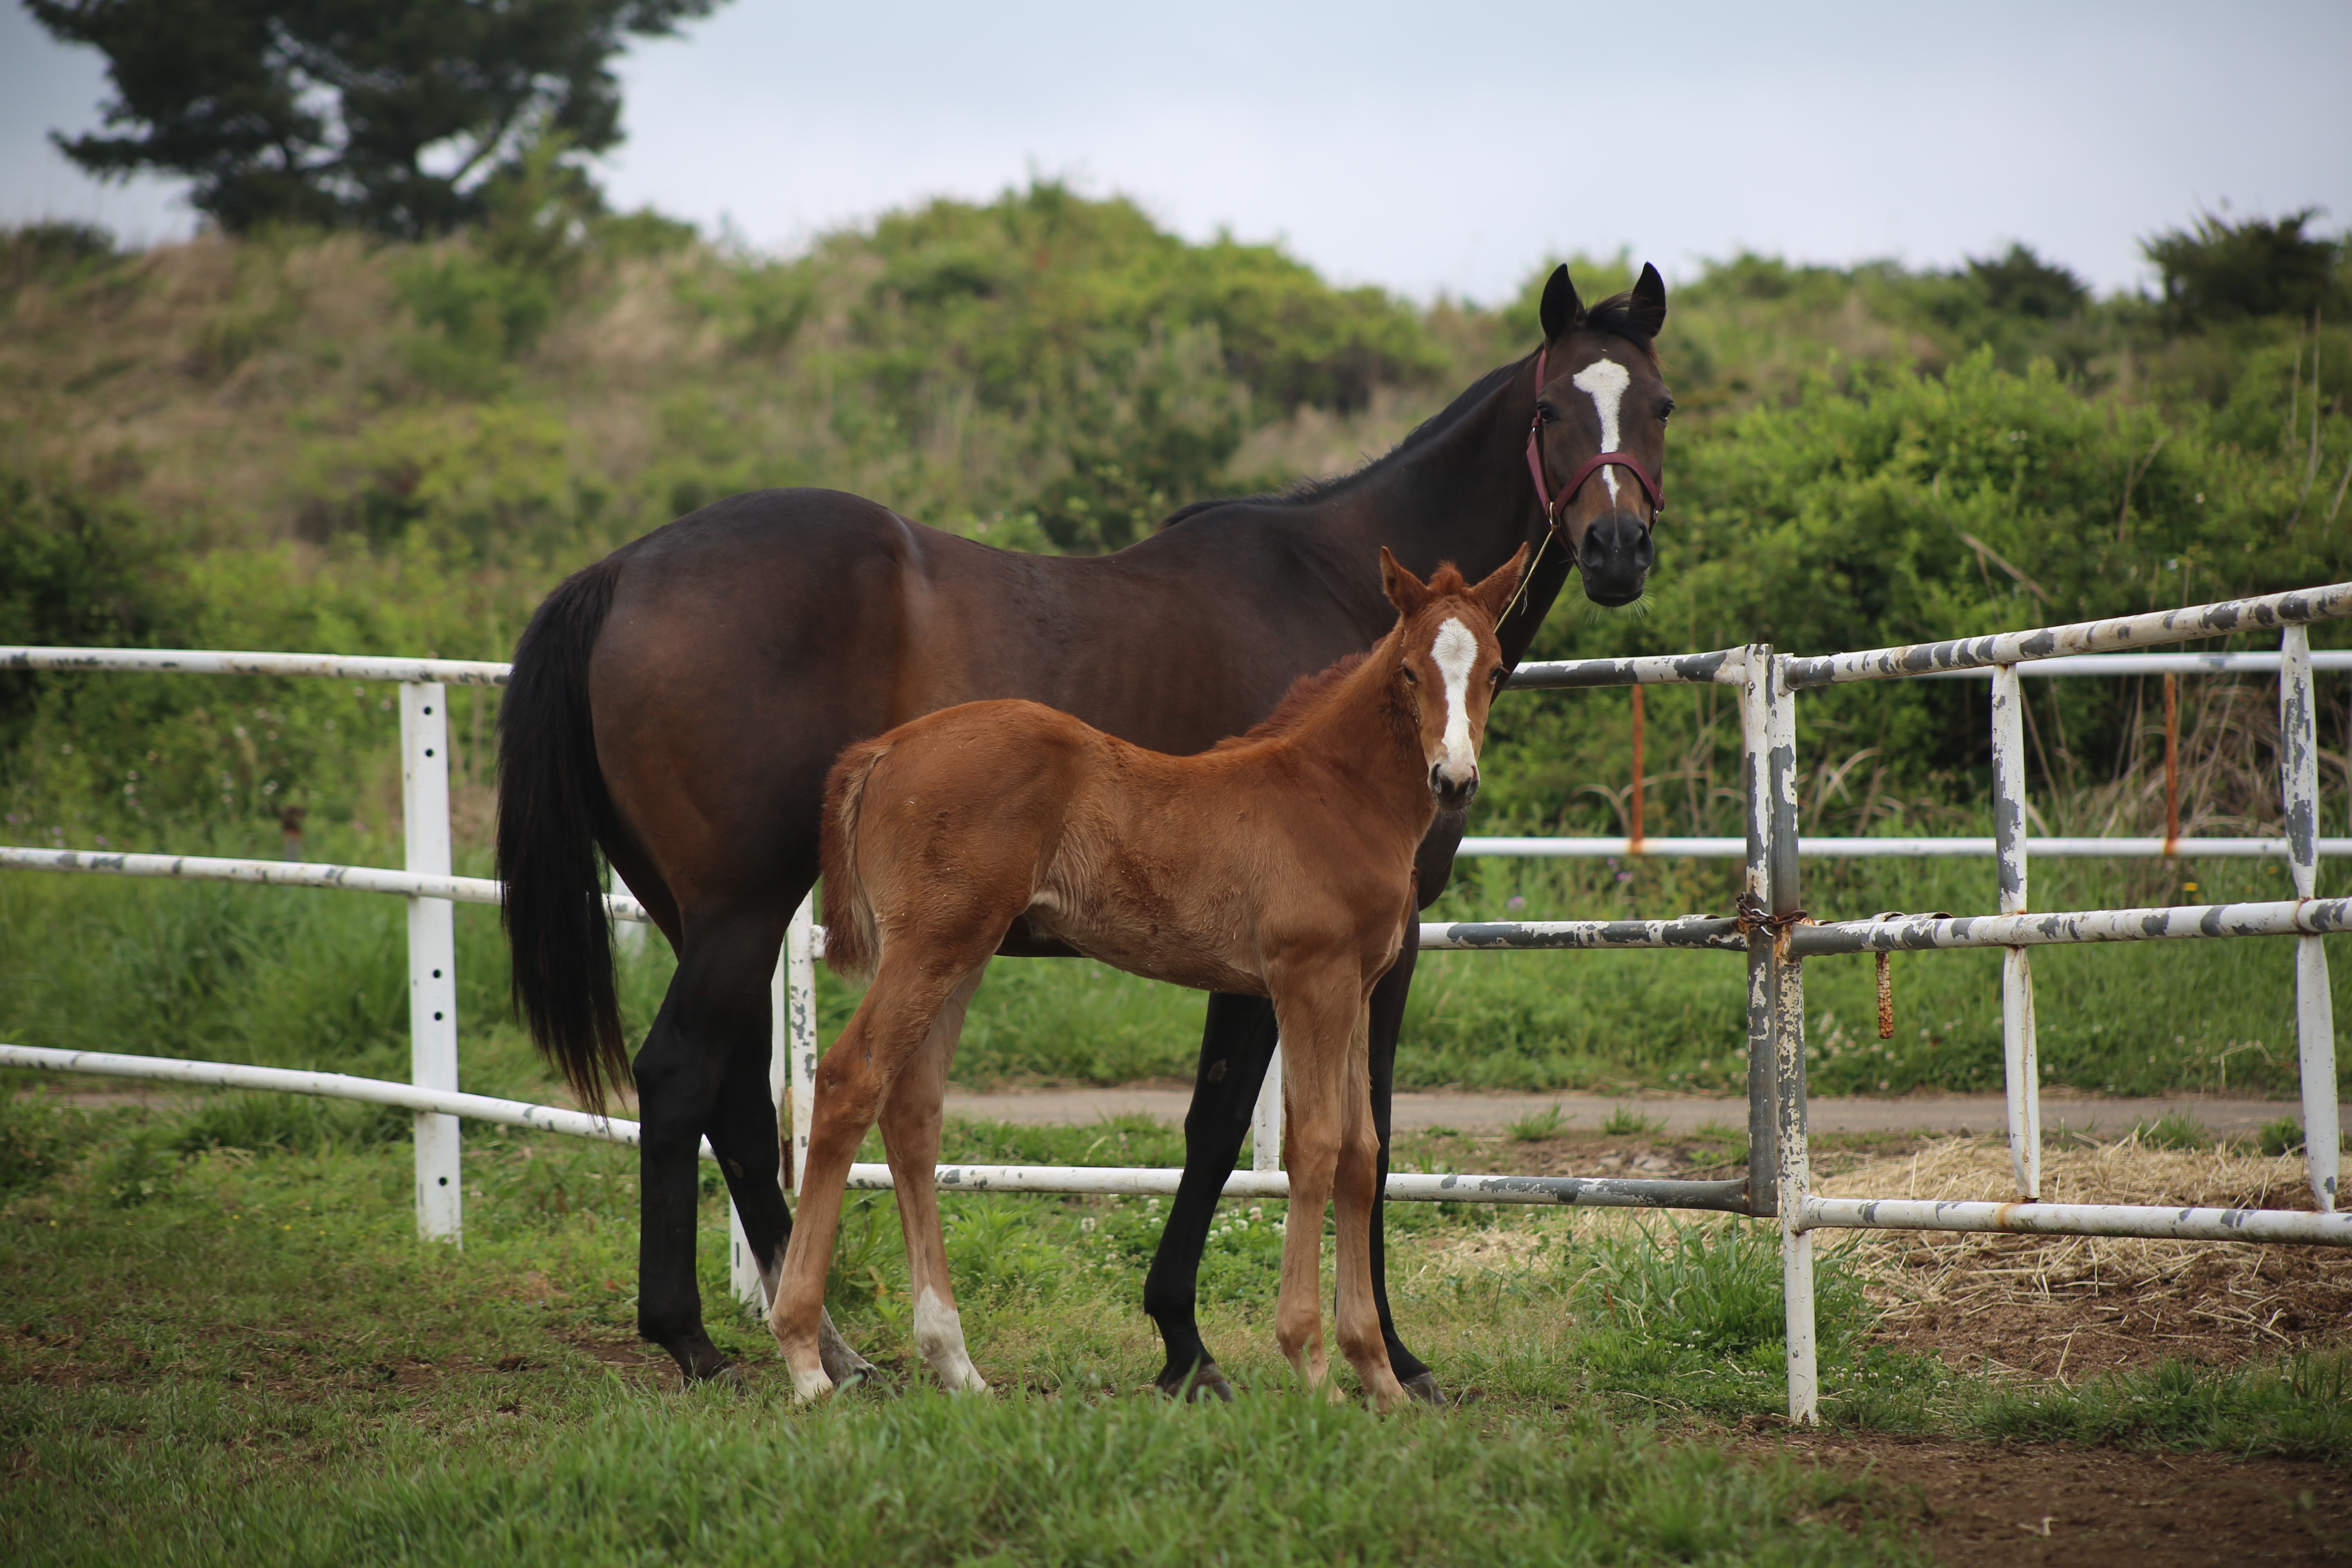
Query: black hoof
x=726, y=1374
x=1424, y=1388
x=1198, y=1386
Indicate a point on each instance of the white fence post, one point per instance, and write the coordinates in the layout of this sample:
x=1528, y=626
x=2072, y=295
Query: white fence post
x=800, y=1039
x=2021, y=1068
x=2314, y=1017
x=1763, y=1124
x=1265, y=1121
x=791, y=1034
x=1795, y=1175
x=431, y=954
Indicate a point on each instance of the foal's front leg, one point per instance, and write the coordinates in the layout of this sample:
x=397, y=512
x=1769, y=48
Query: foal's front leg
x=1356, y=1183
x=1318, y=1013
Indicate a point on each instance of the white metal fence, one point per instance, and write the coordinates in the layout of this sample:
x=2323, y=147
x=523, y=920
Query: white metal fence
x=1771, y=931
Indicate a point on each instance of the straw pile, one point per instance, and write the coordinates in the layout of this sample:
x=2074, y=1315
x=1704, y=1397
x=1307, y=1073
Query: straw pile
x=2067, y=1306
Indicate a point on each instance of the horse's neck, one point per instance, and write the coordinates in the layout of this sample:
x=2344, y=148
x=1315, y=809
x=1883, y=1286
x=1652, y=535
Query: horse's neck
x=1463, y=495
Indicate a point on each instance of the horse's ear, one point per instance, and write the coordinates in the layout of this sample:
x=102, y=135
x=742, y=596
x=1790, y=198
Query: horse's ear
x=1649, y=304
x=1494, y=595
x=1405, y=590
x=1561, y=309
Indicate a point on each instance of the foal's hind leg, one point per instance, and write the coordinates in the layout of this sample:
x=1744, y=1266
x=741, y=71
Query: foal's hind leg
x=852, y=1082
x=911, y=1131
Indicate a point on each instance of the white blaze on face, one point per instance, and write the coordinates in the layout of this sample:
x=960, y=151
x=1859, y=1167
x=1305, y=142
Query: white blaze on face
x=1454, y=651
x=1606, y=381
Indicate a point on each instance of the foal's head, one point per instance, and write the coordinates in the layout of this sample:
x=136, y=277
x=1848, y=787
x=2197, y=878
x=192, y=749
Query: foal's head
x=1446, y=665
x=1601, y=430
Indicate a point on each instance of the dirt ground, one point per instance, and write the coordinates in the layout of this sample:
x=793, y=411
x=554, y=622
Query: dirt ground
x=1982, y=1505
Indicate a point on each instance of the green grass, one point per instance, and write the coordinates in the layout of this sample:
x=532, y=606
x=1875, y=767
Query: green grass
x=1537, y=1125
x=247, y=1354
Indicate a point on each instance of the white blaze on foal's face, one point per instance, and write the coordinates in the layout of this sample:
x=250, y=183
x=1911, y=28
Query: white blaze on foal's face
x=1605, y=380
x=1454, y=651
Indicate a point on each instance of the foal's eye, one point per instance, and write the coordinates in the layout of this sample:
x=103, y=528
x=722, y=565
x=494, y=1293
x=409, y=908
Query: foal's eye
x=1494, y=676
x=1410, y=678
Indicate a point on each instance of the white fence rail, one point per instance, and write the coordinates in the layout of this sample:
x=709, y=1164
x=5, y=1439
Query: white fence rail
x=1771, y=932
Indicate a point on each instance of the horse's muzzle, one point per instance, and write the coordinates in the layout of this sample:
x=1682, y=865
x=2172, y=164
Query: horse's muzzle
x=1451, y=794
x=1616, y=558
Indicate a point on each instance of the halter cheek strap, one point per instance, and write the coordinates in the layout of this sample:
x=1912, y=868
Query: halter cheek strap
x=1592, y=465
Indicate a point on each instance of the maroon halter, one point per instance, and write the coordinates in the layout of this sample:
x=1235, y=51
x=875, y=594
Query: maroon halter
x=1591, y=466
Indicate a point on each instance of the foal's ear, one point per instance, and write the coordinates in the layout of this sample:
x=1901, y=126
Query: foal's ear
x=1405, y=590
x=1561, y=309
x=1648, y=308
x=1494, y=595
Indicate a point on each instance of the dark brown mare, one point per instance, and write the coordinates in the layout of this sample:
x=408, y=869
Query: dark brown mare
x=1277, y=865
x=678, y=703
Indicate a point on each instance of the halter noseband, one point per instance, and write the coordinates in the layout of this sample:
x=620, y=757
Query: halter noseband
x=1591, y=466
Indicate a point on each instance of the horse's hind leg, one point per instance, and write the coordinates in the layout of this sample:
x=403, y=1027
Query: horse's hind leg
x=1236, y=1042
x=911, y=1131
x=711, y=1033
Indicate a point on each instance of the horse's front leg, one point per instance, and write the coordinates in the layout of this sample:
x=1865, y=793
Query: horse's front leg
x=1433, y=868
x=1355, y=1184
x=1236, y=1042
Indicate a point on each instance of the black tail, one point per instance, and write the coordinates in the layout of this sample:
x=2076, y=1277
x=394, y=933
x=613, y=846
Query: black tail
x=551, y=800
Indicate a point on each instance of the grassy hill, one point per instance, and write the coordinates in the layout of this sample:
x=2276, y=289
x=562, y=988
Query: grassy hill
x=312, y=441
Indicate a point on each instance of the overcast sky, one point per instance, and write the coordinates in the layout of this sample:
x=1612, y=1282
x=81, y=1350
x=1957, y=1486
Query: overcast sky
x=1441, y=149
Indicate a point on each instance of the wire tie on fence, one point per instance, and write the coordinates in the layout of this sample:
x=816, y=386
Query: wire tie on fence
x=1754, y=917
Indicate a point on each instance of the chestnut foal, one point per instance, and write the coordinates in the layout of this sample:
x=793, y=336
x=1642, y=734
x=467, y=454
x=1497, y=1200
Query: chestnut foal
x=1279, y=864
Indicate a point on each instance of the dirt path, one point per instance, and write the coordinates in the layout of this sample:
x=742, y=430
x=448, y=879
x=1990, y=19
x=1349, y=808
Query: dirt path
x=1984, y=1505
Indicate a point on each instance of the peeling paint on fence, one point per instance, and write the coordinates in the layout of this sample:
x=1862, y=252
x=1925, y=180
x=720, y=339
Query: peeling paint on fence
x=2082, y=1219
x=2269, y=612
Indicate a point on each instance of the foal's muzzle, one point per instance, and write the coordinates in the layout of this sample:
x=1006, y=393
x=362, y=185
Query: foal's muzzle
x=1616, y=558
x=1451, y=794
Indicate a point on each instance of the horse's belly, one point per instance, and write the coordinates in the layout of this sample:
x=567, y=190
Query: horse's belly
x=1153, y=948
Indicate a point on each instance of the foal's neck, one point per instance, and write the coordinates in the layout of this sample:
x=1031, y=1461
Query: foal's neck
x=1369, y=741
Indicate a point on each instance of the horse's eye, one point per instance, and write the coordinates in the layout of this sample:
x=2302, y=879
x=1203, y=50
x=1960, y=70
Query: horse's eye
x=1410, y=678
x=1547, y=413
x=1494, y=676
x=1666, y=409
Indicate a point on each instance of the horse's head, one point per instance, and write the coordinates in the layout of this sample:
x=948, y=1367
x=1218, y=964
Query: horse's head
x=1597, y=447
x=1445, y=665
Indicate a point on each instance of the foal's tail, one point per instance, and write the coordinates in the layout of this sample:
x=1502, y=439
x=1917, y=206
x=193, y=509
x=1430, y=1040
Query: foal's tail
x=852, y=942
x=551, y=802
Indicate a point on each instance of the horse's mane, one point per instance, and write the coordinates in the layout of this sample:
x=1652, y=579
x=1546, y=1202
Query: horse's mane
x=1303, y=694
x=1614, y=315
x=1308, y=690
